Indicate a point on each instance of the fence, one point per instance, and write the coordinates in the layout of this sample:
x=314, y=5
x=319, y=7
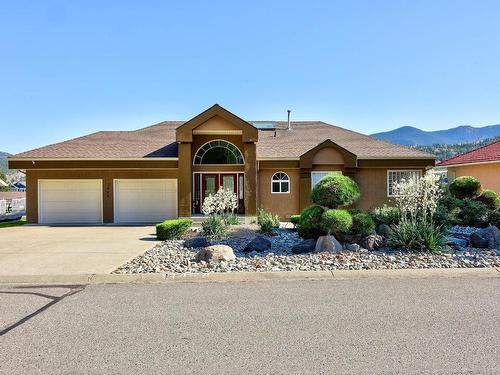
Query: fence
x=10, y=207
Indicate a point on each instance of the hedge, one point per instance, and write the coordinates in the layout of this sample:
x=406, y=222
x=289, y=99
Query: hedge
x=172, y=229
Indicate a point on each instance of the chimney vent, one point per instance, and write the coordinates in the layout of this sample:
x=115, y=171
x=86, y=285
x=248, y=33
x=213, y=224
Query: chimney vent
x=289, y=124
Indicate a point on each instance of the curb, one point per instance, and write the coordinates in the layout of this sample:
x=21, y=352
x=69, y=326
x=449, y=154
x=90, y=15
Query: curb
x=155, y=278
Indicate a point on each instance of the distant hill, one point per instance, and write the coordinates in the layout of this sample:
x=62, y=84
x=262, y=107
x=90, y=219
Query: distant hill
x=3, y=162
x=411, y=136
x=443, y=151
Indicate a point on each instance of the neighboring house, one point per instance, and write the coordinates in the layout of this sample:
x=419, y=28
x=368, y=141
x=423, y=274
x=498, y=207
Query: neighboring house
x=482, y=163
x=166, y=170
x=18, y=186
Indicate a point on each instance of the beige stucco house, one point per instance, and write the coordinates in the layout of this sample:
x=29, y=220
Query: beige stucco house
x=166, y=170
x=482, y=163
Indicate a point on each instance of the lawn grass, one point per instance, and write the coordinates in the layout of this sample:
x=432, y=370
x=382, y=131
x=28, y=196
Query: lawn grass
x=13, y=223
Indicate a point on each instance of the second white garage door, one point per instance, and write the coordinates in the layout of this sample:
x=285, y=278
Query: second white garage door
x=145, y=200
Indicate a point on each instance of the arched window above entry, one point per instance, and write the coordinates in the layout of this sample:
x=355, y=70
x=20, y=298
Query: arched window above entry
x=280, y=183
x=218, y=152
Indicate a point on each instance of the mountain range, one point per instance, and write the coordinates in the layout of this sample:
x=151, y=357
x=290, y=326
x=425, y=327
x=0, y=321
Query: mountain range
x=411, y=136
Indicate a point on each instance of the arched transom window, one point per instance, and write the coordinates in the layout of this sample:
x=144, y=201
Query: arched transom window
x=280, y=183
x=218, y=152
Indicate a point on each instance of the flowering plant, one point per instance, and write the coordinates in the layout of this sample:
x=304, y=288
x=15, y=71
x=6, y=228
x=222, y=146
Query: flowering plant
x=219, y=203
x=417, y=199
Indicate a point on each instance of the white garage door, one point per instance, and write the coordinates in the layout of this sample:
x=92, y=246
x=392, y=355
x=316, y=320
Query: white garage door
x=145, y=201
x=70, y=201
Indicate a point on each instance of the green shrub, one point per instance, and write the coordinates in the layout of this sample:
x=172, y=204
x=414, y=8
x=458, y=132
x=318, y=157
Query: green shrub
x=336, y=221
x=335, y=190
x=490, y=199
x=310, y=222
x=465, y=187
x=172, y=229
x=386, y=215
x=449, y=201
x=472, y=214
x=417, y=236
x=443, y=217
x=214, y=227
x=362, y=222
x=267, y=221
x=295, y=220
x=494, y=218
x=231, y=219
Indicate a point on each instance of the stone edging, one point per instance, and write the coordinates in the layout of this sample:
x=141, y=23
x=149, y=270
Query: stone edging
x=153, y=278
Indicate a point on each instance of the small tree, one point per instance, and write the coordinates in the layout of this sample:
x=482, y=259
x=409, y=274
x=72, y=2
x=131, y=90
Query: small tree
x=4, y=179
x=221, y=202
x=334, y=191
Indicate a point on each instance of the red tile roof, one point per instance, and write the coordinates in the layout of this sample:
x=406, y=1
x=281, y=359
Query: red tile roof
x=488, y=153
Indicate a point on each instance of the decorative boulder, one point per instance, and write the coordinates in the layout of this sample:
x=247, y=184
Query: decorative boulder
x=215, y=253
x=329, y=244
x=352, y=247
x=497, y=240
x=258, y=244
x=460, y=242
x=383, y=230
x=196, y=242
x=484, y=238
x=306, y=246
x=372, y=241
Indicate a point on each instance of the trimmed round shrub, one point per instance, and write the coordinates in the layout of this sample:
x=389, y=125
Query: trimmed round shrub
x=490, y=199
x=336, y=221
x=362, y=223
x=472, y=214
x=335, y=190
x=386, y=215
x=465, y=187
x=310, y=222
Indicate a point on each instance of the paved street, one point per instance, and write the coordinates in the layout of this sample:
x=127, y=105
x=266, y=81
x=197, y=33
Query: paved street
x=370, y=325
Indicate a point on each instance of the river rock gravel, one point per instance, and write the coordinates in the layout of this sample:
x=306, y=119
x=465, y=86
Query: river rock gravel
x=172, y=257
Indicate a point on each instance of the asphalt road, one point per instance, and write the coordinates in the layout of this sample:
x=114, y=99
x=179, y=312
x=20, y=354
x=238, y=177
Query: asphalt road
x=429, y=325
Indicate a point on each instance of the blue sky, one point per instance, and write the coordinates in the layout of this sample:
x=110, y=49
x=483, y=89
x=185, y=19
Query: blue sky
x=69, y=68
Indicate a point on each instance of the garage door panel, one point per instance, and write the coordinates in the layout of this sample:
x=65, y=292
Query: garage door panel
x=70, y=201
x=145, y=201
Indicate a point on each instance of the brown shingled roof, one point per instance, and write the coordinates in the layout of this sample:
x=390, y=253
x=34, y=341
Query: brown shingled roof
x=159, y=141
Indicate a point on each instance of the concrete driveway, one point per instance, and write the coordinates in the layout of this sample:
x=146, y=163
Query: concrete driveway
x=43, y=250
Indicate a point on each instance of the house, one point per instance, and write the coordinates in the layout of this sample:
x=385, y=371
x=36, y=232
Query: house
x=18, y=186
x=482, y=163
x=166, y=170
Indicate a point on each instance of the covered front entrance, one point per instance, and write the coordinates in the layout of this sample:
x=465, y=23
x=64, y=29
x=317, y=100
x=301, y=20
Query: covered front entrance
x=207, y=183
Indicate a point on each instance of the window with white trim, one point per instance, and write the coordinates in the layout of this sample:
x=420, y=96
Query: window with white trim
x=318, y=175
x=397, y=176
x=280, y=183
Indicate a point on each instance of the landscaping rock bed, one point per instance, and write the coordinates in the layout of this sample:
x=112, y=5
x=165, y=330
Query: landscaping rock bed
x=173, y=257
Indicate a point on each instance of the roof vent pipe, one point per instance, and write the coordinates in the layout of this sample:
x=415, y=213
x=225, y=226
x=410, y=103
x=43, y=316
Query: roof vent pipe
x=289, y=124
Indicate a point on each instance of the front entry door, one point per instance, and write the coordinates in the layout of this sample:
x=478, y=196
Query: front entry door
x=228, y=182
x=209, y=185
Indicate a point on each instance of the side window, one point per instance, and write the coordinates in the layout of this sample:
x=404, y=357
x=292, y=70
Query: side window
x=280, y=183
x=398, y=176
